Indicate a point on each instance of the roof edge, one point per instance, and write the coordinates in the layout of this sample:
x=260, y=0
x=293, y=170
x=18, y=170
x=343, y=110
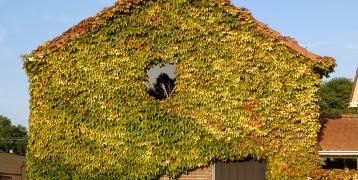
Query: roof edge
x=289, y=42
x=11, y=154
x=323, y=64
x=341, y=116
x=80, y=28
x=326, y=153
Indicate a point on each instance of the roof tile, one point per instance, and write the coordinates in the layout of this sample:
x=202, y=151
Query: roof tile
x=339, y=133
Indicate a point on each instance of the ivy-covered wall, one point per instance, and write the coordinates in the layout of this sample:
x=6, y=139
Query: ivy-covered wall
x=239, y=93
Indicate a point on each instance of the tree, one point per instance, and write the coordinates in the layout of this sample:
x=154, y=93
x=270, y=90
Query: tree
x=334, y=96
x=12, y=138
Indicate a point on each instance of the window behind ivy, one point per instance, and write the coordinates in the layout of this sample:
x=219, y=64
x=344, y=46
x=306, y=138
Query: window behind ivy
x=161, y=80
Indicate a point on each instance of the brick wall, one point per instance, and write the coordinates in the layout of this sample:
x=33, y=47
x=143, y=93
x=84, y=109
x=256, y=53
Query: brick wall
x=205, y=173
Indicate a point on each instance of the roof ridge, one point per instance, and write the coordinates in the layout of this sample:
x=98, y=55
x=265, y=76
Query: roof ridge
x=88, y=23
x=77, y=30
x=289, y=42
x=341, y=116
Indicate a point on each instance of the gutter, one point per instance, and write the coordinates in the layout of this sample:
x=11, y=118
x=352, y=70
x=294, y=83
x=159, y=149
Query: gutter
x=338, y=153
x=353, y=104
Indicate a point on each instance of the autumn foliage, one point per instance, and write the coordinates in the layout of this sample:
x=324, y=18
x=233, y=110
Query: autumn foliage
x=239, y=93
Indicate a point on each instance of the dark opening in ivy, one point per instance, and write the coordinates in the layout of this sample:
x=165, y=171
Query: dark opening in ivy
x=161, y=80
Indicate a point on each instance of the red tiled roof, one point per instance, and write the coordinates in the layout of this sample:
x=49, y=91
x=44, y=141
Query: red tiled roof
x=289, y=42
x=87, y=24
x=339, y=133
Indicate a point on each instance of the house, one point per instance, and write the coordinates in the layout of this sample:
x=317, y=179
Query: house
x=12, y=167
x=244, y=96
x=338, y=138
x=353, y=101
x=339, y=146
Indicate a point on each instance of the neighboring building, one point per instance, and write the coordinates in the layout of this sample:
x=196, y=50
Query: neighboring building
x=339, y=141
x=12, y=167
x=353, y=102
x=242, y=91
x=339, y=137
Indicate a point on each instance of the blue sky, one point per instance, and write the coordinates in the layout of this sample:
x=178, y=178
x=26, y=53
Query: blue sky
x=325, y=27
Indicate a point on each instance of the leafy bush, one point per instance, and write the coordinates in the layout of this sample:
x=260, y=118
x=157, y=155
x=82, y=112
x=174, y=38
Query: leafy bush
x=336, y=174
